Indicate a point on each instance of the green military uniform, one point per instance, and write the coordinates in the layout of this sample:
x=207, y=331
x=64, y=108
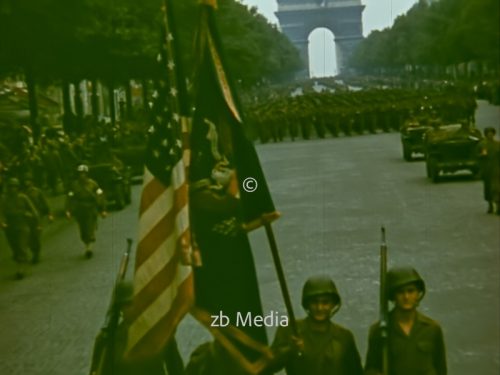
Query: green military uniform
x=210, y=358
x=18, y=215
x=420, y=353
x=421, y=350
x=39, y=201
x=85, y=200
x=358, y=122
x=328, y=348
x=332, y=352
x=490, y=171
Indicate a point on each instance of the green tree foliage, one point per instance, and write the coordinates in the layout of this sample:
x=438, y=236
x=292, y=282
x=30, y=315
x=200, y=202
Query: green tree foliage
x=117, y=40
x=440, y=33
x=255, y=48
x=34, y=35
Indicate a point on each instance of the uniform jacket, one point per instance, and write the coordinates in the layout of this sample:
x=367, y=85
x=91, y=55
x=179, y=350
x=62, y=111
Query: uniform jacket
x=39, y=201
x=332, y=352
x=85, y=196
x=490, y=166
x=420, y=353
x=17, y=210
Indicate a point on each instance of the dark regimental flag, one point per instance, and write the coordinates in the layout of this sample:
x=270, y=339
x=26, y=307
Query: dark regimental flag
x=216, y=103
x=163, y=279
x=229, y=196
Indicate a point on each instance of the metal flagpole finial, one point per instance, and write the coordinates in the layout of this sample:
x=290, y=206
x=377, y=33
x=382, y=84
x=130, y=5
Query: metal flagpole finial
x=211, y=3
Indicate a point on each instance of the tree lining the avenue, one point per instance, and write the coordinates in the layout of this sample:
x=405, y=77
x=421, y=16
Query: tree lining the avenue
x=60, y=42
x=120, y=39
x=432, y=36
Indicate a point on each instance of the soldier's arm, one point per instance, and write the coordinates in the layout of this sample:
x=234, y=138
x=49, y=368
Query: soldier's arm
x=100, y=199
x=440, y=355
x=283, y=349
x=373, y=362
x=353, y=359
x=69, y=204
x=30, y=207
x=45, y=206
x=213, y=202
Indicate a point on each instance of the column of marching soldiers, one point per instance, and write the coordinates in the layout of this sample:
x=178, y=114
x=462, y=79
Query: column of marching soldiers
x=55, y=169
x=353, y=113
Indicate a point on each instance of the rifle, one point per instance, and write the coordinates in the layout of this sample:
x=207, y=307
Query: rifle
x=104, y=347
x=384, y=318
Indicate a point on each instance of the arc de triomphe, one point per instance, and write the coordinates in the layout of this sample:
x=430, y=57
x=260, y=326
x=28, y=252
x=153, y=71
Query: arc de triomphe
x=298, y=18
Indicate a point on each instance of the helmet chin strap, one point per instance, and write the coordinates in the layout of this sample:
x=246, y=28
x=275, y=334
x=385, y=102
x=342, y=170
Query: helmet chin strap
x=335, y=309
x=420, y=297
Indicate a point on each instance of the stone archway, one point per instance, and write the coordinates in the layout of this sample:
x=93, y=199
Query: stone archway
x=322, y=55
x=298, y=18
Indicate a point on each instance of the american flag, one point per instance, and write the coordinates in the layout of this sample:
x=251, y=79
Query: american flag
x=163, y=281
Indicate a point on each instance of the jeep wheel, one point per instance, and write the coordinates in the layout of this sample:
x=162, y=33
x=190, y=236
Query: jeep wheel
x=476, y=173
x=434, y=172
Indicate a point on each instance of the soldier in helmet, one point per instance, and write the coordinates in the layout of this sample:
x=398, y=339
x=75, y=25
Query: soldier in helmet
x=42, y=206
x=322, y=347
x=415, y=342
x=85, y=201
x=490, y=169
x=17, y=216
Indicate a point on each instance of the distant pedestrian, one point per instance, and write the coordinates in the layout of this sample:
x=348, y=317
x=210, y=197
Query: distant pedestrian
x=490, y=170
x=53, y=165
x=85, y=201
x=17, y=217
x=41, y=204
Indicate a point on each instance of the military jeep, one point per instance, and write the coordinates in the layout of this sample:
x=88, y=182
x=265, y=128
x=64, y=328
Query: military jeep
x=451, y=148
x=133, y=156
x=412, y=138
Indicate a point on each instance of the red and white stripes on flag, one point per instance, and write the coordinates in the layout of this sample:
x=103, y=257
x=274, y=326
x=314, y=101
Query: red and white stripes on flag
x=163, y=283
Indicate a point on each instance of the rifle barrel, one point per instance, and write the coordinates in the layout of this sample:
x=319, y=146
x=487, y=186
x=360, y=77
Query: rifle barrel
x=104, y=347
x=383, y=304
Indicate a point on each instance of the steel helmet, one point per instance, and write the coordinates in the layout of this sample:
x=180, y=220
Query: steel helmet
x=82, y=168
x=317, y=286
x=401, y=276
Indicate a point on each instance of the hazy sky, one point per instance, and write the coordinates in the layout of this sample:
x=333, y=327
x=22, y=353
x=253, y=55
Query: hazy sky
x=378, y=14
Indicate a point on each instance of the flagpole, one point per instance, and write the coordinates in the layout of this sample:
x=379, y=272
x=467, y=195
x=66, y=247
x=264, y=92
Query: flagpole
x=281, y=277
